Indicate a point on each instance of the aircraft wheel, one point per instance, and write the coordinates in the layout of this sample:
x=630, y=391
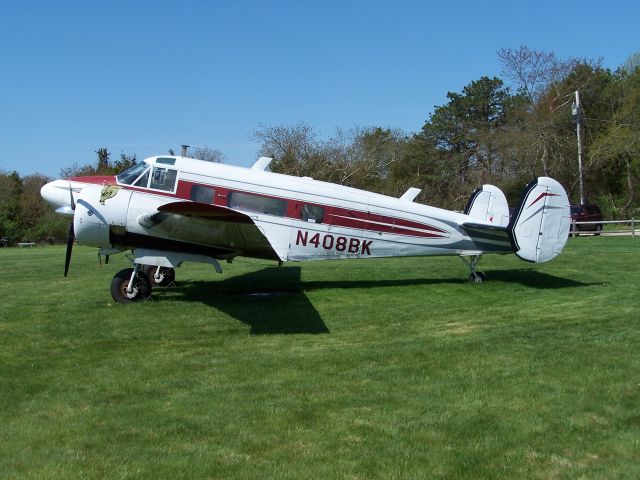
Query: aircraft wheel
x=165, y=277
x=141, y=287
x=477, y=277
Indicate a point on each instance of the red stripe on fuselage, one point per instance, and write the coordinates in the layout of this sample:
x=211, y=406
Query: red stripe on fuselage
x=380, y=223
x=336, y=216
x=96, y=180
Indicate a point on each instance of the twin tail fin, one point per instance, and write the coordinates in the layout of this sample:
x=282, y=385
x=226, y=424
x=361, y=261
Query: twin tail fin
x=538, y=229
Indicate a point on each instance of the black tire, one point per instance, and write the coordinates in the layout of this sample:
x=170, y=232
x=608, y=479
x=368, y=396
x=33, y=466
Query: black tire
x=477, y=277
x=598, y=230
x=166, y=277
x=120, y=282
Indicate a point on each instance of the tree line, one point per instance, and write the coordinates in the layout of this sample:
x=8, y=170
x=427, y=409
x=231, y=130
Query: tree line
x=502, y=130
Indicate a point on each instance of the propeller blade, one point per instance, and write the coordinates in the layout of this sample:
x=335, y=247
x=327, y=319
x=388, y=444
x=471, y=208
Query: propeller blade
x=70, y=239
x=73, y=203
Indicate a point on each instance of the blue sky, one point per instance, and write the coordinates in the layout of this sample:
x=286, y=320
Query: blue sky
x=145, y=76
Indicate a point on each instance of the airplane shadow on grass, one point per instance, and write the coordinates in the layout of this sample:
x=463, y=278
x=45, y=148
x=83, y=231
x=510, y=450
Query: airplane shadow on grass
x=270, y=301
x=535, y=279
x=273, y=300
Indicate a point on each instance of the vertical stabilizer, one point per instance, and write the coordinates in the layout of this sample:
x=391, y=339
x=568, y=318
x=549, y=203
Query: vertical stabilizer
x=540, y=225
x=488, y=204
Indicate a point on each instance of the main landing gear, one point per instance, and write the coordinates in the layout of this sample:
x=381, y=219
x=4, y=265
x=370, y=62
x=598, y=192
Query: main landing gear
x=160, y=276
x=135, y=284
x=474, y=276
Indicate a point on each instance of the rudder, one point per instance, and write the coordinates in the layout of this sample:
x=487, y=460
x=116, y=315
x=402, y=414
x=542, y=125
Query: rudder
x=540, y=225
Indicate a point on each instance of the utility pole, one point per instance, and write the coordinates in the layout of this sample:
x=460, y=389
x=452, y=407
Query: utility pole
x=576, y=111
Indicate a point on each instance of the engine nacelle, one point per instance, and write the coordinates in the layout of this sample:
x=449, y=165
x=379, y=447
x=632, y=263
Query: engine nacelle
x=98, y=210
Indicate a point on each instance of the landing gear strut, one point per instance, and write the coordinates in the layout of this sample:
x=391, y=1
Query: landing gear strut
x=130, y=285
x=474, y=276
x=160, y=276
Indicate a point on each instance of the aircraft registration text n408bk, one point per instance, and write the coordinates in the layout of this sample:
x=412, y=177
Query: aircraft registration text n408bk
x=328, y=241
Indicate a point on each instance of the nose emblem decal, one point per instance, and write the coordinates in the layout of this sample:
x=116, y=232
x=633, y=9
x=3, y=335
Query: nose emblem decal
x=108, y=191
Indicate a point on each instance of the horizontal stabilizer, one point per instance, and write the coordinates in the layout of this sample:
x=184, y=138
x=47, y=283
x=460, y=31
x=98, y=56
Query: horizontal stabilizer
x=489, y=238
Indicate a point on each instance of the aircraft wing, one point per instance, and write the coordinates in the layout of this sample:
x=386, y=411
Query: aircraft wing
x=213, y=226
x=206, y=211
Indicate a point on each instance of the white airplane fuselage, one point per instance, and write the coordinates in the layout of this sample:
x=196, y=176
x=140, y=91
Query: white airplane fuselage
x=168, y=210
x=302, y=218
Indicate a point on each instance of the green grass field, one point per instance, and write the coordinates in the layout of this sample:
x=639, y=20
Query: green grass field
x=394, y=368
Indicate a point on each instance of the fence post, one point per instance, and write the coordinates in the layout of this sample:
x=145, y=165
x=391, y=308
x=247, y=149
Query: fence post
x=633, y=227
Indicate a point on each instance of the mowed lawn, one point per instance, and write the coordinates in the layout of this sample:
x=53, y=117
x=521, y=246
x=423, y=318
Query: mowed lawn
x=384, y=368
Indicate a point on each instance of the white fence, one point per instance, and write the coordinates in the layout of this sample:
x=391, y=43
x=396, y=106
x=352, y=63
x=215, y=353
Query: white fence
x=629, y=228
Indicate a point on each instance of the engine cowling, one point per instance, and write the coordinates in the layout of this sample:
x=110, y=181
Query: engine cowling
x=98, y=210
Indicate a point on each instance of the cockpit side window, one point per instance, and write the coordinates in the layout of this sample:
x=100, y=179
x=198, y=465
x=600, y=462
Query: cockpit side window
x=143, y=180
x=163, y=179
x=129, y=176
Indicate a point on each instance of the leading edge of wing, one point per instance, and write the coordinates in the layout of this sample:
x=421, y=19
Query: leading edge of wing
x=207, y=211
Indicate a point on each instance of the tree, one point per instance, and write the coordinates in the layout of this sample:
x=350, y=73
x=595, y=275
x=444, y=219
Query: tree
x=207, y=154
x=291, y=147
x=615, y=151
x=539, y=77
x=126, y=161
x=467, y=128
x=39, y=222
x=632, y=63
x=103, y=166
x=10, y=208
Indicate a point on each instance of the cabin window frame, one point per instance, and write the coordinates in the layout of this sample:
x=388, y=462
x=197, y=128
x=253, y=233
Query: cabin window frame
x=255, y=203
x=167, y=175
x=312, y=213
x=202, y=194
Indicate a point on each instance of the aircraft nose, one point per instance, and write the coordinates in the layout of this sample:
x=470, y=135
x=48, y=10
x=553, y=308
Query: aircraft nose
x=57, y=195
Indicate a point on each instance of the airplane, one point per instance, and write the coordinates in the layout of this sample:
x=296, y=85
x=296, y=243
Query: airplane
x=172, y=209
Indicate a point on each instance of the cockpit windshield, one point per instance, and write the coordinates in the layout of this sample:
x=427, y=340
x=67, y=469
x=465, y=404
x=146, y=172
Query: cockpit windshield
x=129, y=176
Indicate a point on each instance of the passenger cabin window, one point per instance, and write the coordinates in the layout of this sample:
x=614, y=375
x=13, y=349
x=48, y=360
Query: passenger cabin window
x=312, y=213
x=202, y=194
x=258, y=204
x=163, y=179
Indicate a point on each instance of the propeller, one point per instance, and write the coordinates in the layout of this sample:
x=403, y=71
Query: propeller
x=70, y=235
x=70, y=240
